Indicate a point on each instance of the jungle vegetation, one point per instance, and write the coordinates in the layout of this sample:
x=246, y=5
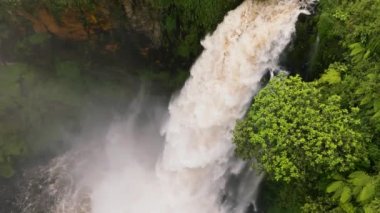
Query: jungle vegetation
x=318, y=140
x=315, y=135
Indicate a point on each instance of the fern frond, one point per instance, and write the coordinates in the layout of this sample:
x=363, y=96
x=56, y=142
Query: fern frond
x=333, y=187
x=359, y=178
x=367, y=193
x=346, y=195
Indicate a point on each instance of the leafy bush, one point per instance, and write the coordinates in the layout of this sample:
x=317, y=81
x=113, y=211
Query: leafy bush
x=295, y=133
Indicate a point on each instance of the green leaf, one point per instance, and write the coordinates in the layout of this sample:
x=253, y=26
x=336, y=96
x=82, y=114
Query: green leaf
x=359, y=178
x=338, y=177
x=367, y=193
x=356, y=48
x=368, y=209
x=367, y=54
x=346, y=194
x=348, y=207
x=334, y=186
x=332, y=76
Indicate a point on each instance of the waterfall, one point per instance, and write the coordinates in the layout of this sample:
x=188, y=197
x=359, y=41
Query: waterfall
x=198, y=136
x=190, y=172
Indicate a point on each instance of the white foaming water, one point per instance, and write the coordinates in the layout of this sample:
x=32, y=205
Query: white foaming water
x=197, y=157
x=198, y=136
x=193, y=170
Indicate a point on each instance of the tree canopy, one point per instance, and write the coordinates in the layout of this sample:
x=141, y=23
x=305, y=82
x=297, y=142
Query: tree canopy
x=295, y=132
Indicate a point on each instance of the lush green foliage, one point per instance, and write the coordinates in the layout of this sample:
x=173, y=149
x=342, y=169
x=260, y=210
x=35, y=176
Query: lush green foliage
x=356, y=26
x=319, y=140
x=186, y=22
x=347, y=59
x=295, y=133
x=359, y=191
x=357, y=74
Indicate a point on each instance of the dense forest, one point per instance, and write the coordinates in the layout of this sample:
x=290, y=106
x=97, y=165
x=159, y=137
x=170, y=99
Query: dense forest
x=318, y=139
x=313, y=130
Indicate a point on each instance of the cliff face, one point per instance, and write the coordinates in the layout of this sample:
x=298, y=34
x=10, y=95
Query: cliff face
x=142, y=18
x=69, y=26
x=80, y=24
x=171, y=30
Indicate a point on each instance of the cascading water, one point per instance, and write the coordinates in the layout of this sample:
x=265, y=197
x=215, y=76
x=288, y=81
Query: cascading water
x=198, y=144
x=190, y=173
